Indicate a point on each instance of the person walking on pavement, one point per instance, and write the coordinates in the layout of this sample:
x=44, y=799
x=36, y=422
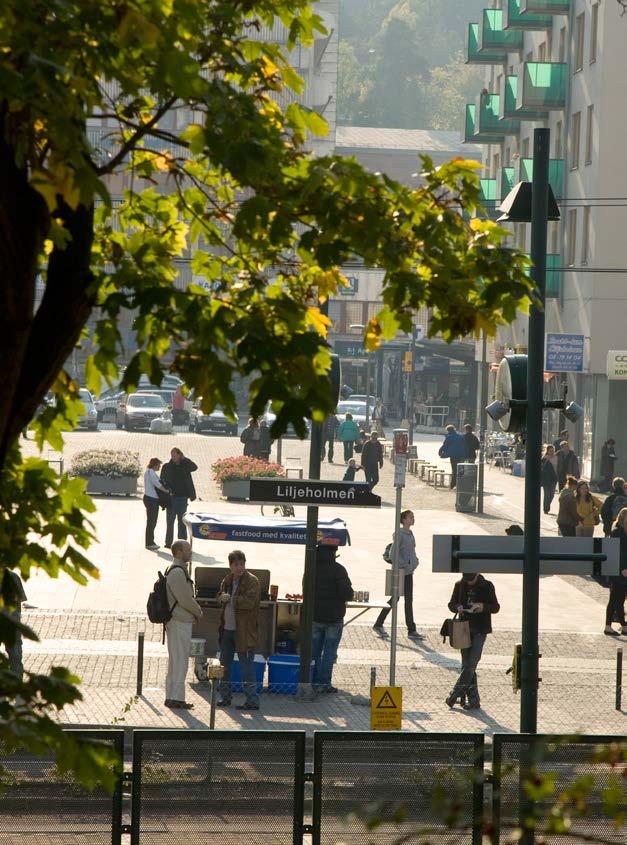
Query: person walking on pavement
x=588, y=508
x=348, y=433
x=328, y=436
x=14, y=598
x=613, y=504
x=408, y=563
x=472, y=444
x=567, y=464
x=372, y=459
x=265, y=441
x=378, y=417
x=251, y=438
x=567, y=516
x=351, y=470
x=176, y=476
x=178, y=631
x=615, y=611
x=559, y=440
x=239, y=596
x=453, y=448
x=474, y=599
x=608, y=460
x=152, y=487
x=332, y=590
x=548, y=476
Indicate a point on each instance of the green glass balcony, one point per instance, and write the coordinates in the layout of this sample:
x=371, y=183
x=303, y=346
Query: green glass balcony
x=556, y=173
x=505, y=182
x=492, y=36
x=485, y=57
x=507, y=103
x=544, y=86
x=471, y=133
x=553, y=275
x=545, y=7
x=487, y=107
x=488, y=197
x=515, y=18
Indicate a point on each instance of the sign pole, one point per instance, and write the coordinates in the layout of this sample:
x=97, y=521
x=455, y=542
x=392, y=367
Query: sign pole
x=400, y=466
x=483, y=421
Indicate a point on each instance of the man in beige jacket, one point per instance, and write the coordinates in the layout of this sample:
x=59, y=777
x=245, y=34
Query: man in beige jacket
x=178, y=630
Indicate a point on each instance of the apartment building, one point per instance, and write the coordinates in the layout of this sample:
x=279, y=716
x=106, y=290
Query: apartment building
x=562, y=64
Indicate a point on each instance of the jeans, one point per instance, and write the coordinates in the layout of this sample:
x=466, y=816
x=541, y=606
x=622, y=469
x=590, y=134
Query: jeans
x=454, y=462
x=616, y=604
x=549, y=493
x=409, y=606
x=348, y=449
x=372, y=474
x=325, y=640
x=331, y=442
x=177, y=509
x=246, y=667
x=467, y=684
x=14, y=652
x=152, y=514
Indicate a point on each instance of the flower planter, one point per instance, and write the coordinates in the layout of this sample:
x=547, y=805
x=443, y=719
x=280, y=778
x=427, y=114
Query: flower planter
x=238, y=489
x=123, y=486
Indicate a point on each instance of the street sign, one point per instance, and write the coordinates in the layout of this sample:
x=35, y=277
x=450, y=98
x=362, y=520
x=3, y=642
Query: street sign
x=400, y=470
x=386, y=708
x=408, y=362
x=308, y=492
x=564, y=353
x=617, y=364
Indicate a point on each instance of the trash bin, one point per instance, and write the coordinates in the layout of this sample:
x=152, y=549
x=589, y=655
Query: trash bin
x=466, y=500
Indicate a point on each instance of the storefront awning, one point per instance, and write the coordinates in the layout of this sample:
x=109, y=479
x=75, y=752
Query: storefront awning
x=264, y=529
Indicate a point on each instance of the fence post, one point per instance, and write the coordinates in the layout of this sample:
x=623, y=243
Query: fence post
x=619, y=677
x=212, y=714
x=373, y=676
x=140, y=662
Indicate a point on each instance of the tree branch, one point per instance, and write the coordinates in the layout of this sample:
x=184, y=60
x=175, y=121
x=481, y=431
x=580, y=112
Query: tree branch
x=129, y=145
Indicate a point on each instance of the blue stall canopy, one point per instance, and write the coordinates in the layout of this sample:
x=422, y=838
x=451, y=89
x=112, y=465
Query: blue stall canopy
x=264, y=529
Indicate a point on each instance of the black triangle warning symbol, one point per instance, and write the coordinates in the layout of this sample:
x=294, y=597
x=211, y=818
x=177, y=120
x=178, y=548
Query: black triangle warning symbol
x=387, y=702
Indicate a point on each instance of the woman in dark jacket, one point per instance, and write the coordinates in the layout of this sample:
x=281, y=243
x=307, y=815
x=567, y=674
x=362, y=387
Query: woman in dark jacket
x=251, y=438
x=618, y=583
x=548, y=476
x=608, y=512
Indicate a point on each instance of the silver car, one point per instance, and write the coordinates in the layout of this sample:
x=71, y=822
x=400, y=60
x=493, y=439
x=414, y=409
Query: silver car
x=139, y=410
x=357, y=409
x=89, y=418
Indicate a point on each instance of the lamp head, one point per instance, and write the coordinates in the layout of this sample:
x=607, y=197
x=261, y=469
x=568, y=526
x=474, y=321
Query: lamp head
x=573, y=412
x=497, y=410
x=517, y=205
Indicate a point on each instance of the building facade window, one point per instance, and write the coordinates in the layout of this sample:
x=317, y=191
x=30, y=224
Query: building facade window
x=555, y=234
x=585, y=236
x=589, y=135
x=562, y=45
x=496, y=165
x=575, y=140
x=525, y=148
x=594, y=33
x=559, y=152
x=572, y=237
x=580, y=30
x=542, y=52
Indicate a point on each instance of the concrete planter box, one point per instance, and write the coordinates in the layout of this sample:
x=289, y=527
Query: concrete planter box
x=111, y=486
x=236, y=489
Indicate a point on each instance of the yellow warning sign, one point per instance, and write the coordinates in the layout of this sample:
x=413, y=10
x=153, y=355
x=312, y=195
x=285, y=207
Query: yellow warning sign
x=386, y=708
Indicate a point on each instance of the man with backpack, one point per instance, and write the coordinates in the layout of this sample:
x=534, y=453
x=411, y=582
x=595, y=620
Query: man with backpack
x=183, y=609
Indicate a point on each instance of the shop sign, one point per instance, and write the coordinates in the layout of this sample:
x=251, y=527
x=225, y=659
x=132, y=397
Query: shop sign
x=564, y=353
x=617, y=364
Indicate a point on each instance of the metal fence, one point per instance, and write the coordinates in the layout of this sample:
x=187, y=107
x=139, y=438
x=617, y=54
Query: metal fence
x=40, y=806
x=412, y=782
x=226, y=787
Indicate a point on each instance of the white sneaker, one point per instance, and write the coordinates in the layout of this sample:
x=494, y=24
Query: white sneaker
x=153, y=547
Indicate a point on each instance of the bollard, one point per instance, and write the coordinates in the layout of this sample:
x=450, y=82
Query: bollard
x=373, y=676
x=619, y=677
x=140, y=662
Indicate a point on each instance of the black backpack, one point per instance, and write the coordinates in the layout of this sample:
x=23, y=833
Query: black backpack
x=387, y=554
x=618, y=504
x=158, y=607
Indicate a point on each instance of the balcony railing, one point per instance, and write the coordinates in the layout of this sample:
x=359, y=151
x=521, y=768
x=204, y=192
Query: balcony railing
x=545, y=7
x=508, y=99
x=515, y=18
x=543, y=86
x=505, y=181
x=487, y=108
x=492, y=36
x=471, y=133
x=484, y=57
x=556, y=173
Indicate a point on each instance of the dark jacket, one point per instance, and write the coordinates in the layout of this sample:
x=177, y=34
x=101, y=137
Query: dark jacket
x=349, y=475
x=567, y=513
x=472, y=445
x=265, y=441
x=608, y=458
x=548, y=474
x=178, y=478
x=620, y=580
x=454, y=446
x=333, y=588
x=567, y=464
x=483, y=591
x=610, y=509
x=252, y=445
x=329, y=427
x=372, y=453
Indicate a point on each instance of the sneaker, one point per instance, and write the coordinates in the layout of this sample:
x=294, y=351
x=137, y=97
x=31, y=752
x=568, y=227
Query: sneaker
x=414, y=635
x=378, y=628
x=330, y=689
x=180, y=705
x=610, y=632
x=247, y=706
x=152, y=547
x=475, y=705
x=223, y=702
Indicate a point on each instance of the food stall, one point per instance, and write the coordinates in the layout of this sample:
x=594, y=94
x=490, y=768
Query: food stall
x=277, y=615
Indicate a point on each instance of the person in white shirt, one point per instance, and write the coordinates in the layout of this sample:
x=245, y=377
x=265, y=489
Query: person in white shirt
x=151, y=501
x=185, y=609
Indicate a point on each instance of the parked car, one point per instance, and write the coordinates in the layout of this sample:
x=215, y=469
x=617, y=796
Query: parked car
x=139, y=410
x=89, y=419
x=357, y=409
x=216, y=421
x=269, y=416
x=107, y=404
x=358, y=397
x=167, y=394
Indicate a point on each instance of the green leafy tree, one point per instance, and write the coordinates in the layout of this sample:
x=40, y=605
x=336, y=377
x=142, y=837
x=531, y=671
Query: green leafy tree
x=449, y=89
x=263, y=223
